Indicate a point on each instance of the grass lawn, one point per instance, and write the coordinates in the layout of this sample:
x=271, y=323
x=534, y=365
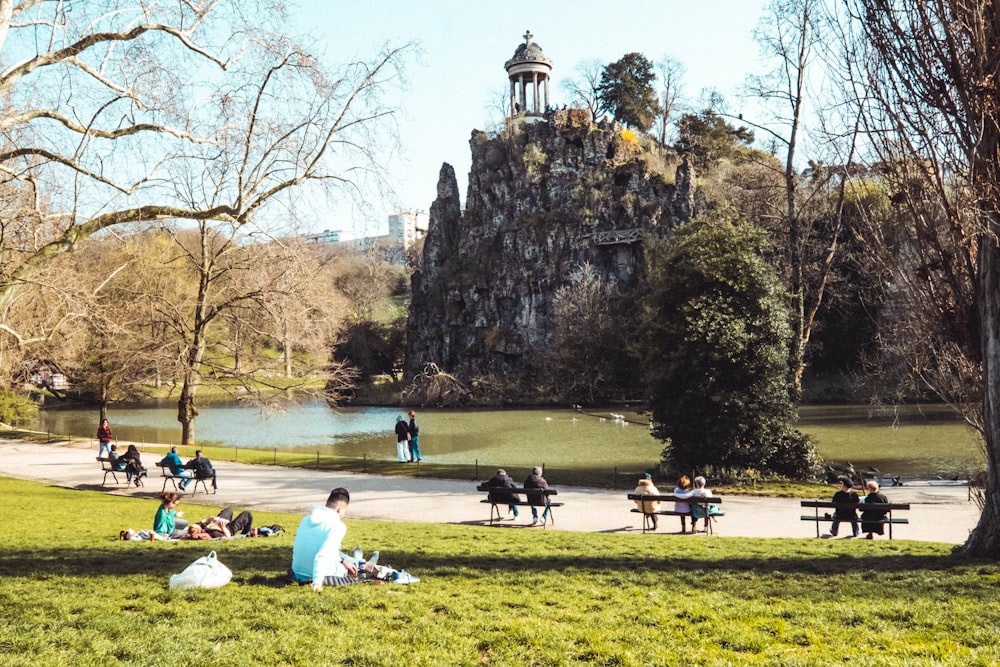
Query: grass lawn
x=72, y=594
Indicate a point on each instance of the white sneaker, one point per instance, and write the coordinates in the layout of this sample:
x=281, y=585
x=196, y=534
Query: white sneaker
x=372, y=562
x=404, y=577
x=534, y=521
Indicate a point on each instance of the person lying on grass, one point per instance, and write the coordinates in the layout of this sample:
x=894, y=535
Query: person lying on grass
x=221, y=526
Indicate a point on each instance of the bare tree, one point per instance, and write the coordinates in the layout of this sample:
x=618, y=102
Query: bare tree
x=584, y=88
x=789, y=34
x=924, y=77
x=121, y=111
x=671, y=74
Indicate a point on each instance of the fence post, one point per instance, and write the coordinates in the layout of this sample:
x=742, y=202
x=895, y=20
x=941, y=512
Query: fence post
x=477, y=469
x=317, y=459
x=364, y=462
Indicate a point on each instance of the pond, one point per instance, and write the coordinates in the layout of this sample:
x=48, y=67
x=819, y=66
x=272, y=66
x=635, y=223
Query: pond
x=913, y=441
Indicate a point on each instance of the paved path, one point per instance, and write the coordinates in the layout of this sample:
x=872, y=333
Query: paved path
x=940, y=512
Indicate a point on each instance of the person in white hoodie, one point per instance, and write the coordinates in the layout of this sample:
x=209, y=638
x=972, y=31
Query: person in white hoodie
x=316, y=555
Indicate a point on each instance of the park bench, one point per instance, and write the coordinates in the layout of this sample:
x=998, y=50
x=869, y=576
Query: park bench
x=828, y=506
x=109, y=469
x=169, y=476
x=502, y=496
x=695, y=501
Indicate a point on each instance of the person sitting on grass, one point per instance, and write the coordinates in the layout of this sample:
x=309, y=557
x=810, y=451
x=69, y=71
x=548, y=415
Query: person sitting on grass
x=845, y=495
x=167, y=523
x=872, y=520
x=316, y=556
x=222, y=525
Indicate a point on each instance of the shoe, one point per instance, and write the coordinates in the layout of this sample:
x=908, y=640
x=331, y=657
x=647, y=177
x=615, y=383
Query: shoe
x=870, y=537
x=372, y=562
x=829, y=535
x=404, y=577
x=534, y=521
x=419, y=460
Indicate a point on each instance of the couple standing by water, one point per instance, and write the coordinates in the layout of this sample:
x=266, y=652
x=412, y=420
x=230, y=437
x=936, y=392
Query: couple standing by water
x=407, y=439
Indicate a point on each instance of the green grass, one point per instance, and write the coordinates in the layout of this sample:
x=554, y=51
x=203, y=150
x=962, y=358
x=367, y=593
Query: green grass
x=71, y=593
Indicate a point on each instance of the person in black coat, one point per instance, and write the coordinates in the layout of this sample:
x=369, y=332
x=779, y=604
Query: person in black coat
x=133, y=465
x=502, y=480
x=202, y=468
x=872, y=520
x=536, y=481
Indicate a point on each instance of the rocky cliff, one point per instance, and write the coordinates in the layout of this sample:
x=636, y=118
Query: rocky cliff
x=543, y=199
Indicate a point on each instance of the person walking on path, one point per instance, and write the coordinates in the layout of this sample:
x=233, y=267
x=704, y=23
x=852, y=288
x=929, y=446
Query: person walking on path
x=536, y=481
x=104, y=438
x=402, y=440
x=414, y=432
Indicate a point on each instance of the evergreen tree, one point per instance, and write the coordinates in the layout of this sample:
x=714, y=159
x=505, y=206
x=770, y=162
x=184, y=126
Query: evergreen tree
x=626, y=89
x=714, y=343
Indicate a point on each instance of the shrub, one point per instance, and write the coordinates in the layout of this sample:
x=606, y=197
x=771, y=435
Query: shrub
x=16, y=407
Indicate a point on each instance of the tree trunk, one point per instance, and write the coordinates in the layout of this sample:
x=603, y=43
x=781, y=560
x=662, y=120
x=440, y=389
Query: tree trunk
x=186, y=412
x=984, y=541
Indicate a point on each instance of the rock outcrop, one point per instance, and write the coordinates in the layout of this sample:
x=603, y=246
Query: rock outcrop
x=543, y=199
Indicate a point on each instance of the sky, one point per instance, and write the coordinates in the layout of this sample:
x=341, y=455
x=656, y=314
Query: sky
x=459, y=71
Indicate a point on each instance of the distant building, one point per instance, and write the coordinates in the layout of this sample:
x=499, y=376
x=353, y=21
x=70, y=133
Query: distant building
x=405, y=229
x=408, y=227
x=325, y=236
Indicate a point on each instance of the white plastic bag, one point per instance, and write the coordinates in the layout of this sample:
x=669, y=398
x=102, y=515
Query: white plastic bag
x=206, y=572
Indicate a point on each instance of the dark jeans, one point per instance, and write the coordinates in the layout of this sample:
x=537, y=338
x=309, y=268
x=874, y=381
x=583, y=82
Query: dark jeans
x=243, y=523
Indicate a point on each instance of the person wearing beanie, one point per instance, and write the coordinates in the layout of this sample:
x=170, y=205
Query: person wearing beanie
x=647, y=507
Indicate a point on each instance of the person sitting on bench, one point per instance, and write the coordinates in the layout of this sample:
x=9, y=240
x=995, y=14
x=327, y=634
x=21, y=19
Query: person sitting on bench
x=202, y=468
x=176, y=466
x=647, y=507
x=536, y=481
x=133, y=465
x=502, y=480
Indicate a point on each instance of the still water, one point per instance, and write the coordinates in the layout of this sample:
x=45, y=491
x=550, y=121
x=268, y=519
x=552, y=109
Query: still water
x=912, y=442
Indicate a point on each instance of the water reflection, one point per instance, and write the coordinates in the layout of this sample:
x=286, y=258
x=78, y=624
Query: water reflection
x=911, y=442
